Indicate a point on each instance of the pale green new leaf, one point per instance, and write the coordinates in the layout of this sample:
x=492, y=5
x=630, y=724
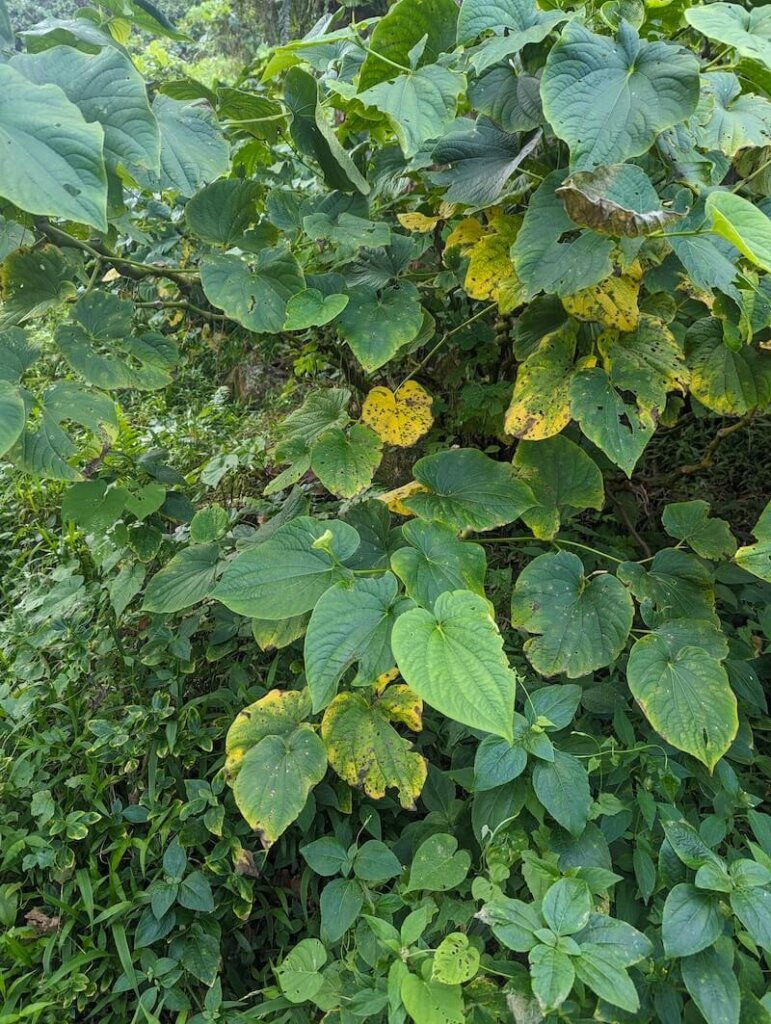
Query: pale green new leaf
x=430, y=1002
x=742, y=224
x=610, y=99
x=582, y=623
x=676, y=676
x=286, y=575
x=453, y=658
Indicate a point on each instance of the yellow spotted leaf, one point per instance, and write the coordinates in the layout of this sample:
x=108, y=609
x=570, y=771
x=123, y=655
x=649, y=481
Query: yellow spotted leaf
x=403, y=705
x=366, y=751
x=387, y=677
x=278, y=713
x=467, y=233
x=446, y=210
x=491, y=273
x=540, y=405
x=400, y=418
x=612, y=302
x=417, y=221
x=394, y=499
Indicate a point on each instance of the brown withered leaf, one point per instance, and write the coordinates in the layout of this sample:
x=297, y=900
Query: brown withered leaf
x=616, y=200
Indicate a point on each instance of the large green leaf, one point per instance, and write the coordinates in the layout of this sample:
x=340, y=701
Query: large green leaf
x=752, y=906
x=93, y=506
x=567, y=906
x=466, y=489
x=51, y=158
x=709, y=977
x=600, y=969
x=746, y=31
x=99, y=345
x=675, y=675
x=299, y=974
x=45, y=449
x=438, y=865
x=431, y=1002
x=543, y=261
x=346, y=462
x=562, y=786
x=609, y=100
x=615, y=200
x=184, y=581
x=453, y=658
x=689, y=521
x=376, y=325
x=419, y=105
x=727, y=380
x=648, y=362
x=407, y=23
x=742, y=224
x=287, y=574
x=365, y=750
x=691, y=920
x=619, y=429
x=515, y=24
x=730, y=121
x=582, y=623
x=756, y=558
x=562, y=477
x=221, y=212
x=551, y=975
x=13, y=414
x=480, y=159
x=278, y=713
x=274, y=780
x=510, y=100
x=434, y=560
x=107, y=89
x=254, y=290
x=193, y=149
x=351, y=623
x=676, y=585
x=313, y=134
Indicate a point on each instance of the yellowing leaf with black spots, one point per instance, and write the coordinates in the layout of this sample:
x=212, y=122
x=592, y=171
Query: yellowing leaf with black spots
x=465, y=234
x=402, y=705
x=649, y=362
x=417, y=222
x=491, y=274
x=399, y=418
x=676, y=676
x=394, y=500
x=278, y=713
x=455, y=960
x=729, y=382
x=612, y=302
x=540, y=406
x=346, y=463
x=366, y=751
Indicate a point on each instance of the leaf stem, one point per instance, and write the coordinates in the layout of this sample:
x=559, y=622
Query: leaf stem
x=379, y=56
x=444, y=338
x=556, y=543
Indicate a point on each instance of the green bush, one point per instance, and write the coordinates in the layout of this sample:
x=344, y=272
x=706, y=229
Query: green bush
x=298, y=724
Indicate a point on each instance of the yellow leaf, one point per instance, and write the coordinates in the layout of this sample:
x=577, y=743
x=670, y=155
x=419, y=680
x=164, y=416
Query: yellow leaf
x=276, y=714
x=400, y=418
x=465, y=234
x=540, y=406
x=417, y=221
x=395, y=499
x=491, y=274
x=403, y=705
x=366, y=751
x=612, y=302
x=387, y=677
x=446, y=210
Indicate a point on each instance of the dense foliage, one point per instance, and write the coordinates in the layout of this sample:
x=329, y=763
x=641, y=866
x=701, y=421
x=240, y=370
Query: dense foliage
x=432, y=691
